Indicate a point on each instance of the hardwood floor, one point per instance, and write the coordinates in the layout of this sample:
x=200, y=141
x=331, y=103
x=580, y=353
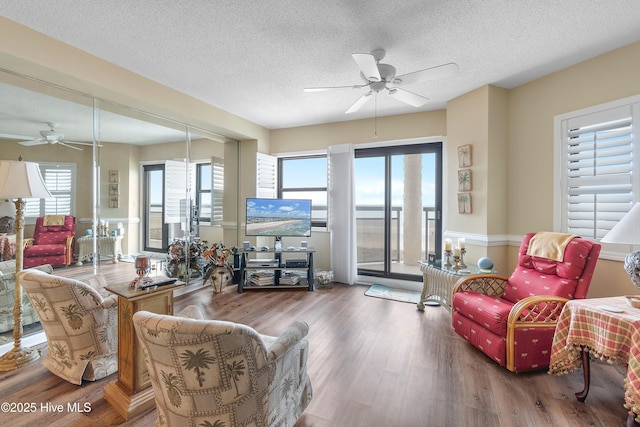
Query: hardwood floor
x=373, y=362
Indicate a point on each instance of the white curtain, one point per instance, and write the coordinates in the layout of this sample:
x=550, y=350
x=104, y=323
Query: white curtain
x=342, y=213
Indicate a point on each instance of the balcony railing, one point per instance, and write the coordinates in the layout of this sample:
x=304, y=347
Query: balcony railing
x=370, y=233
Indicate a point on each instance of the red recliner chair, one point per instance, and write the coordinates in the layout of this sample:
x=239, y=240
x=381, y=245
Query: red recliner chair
x=52, y=242
x=513, y=320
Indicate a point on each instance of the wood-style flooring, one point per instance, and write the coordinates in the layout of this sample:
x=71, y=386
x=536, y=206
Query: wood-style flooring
x=372, y=362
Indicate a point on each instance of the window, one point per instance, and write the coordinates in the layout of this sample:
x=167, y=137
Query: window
x=203, y=191
x=60, y=179
x=305, y=177
x=210, y=191
x=595, y=159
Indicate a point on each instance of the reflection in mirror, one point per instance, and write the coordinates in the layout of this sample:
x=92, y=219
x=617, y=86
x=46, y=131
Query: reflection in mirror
x=100, y=151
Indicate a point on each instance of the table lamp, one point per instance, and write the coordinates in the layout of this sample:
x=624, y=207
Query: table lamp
x=19, y=180
x=627, y=231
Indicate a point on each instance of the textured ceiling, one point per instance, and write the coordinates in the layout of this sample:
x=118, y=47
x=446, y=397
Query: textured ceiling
x=253, y=58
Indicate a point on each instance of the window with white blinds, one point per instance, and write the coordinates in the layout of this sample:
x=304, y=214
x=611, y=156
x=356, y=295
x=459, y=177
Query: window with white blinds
x=266, y=176
x=598, y=182
x=60, y=179
x=217, y=190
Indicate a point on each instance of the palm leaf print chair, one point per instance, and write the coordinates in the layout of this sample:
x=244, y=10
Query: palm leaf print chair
x=80, y=324
x=513, y=319
x=217, y=373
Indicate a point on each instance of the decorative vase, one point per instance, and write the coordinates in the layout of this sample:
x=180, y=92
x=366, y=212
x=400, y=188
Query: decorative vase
x=219, y=279
x=485, y=263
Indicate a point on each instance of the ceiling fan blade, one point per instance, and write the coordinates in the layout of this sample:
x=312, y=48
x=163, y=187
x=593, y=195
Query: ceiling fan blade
x=11, y=136
x=439, y=72
x=90, y=144
x=69, y=146
x=407, y=97
x=31, y=142
x=359, y=103
x=367, y=64
x=323, y=89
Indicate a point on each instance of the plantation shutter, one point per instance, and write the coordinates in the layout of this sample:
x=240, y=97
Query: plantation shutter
x=599, y=168
x=217, y=189
x=60, y=181
x=266, y=176
x=175, y=191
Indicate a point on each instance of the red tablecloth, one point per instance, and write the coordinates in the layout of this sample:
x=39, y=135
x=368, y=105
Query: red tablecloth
x=608, y=336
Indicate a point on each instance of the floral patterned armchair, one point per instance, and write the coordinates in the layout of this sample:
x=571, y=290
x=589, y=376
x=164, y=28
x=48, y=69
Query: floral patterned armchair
x=80, y=325
x=210, y=372
x=513, y=320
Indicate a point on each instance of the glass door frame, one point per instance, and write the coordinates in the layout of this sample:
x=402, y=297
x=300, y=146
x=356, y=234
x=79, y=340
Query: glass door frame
x=147, y=204
x=387, y=152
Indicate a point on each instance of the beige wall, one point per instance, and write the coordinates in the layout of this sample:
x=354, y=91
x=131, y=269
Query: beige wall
x=511, y=132
x=319, y=137
x=479, y=119
x=532, y=108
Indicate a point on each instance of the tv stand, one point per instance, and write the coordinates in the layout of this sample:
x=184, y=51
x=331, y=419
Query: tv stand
x=270, y=270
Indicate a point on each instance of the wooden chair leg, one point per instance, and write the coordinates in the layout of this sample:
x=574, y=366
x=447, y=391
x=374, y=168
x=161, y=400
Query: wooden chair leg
x=586, y=373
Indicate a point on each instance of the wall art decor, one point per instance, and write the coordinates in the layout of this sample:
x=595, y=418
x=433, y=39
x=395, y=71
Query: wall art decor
x=464, y=180
x=114, y=176
x=464, y=203
x=114, y=189
x=464, y=156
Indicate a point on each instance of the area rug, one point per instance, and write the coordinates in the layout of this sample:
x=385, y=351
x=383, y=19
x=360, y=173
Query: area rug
x=395, y=294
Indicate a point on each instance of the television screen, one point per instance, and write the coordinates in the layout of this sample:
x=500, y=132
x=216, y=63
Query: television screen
x=278, y=217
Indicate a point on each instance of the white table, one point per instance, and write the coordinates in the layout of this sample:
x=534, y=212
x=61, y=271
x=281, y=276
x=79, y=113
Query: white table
x=110, y=246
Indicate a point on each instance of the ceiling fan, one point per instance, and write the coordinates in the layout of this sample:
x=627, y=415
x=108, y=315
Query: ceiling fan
x=46, y=137
x=379, y=77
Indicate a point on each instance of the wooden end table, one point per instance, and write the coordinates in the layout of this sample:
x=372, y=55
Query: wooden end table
x=131, y=395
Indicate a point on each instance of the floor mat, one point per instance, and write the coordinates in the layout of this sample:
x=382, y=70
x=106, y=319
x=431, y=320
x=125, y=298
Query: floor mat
x=395, y=294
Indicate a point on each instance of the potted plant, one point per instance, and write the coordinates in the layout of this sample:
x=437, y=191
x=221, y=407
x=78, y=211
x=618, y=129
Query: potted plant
x=177, y=255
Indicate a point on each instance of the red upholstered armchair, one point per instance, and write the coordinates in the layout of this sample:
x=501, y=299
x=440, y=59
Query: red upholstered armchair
x=512, y=320
x=52, y=241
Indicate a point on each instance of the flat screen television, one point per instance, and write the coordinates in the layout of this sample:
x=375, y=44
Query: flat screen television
x=278, y=217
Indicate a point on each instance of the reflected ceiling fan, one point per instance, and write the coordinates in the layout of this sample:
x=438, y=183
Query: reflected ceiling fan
x=379, y=78
x=46, y=137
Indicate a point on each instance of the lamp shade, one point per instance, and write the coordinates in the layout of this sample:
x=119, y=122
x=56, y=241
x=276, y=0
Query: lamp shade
x=20, y=179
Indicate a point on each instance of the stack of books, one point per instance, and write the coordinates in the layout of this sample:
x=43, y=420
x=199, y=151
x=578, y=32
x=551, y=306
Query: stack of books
x=261, y=279
x=289, y=278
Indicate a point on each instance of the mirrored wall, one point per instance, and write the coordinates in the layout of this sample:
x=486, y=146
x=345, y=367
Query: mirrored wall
x=123, y=173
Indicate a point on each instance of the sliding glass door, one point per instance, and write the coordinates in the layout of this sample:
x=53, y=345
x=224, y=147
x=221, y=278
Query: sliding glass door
x=155, y=230
x=398, y=193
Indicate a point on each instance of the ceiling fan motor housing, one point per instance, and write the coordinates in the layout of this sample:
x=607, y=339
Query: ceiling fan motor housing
x=387, y=73
x=51, y=135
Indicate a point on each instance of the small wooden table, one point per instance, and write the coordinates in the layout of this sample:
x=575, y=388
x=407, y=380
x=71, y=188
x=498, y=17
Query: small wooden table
x=131, y=395
x=438, y=282
x=593, y=326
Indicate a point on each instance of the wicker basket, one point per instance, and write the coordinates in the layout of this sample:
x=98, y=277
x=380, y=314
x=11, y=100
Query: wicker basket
x=633, y=300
